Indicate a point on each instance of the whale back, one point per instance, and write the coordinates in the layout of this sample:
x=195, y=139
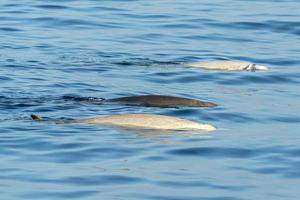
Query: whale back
x=228, y=65
x=138, y=121
x=162, y=101
x=148, y=121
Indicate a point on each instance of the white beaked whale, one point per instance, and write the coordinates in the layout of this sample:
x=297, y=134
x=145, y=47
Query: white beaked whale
x=141, y=121
x=227, y=65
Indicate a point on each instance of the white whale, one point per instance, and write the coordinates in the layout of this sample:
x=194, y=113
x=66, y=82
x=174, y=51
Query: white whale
x=143, y=121
x=228, y=65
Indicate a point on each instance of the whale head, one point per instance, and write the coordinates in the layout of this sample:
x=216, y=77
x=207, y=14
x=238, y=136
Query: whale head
x=255, y=67
x=261, y=68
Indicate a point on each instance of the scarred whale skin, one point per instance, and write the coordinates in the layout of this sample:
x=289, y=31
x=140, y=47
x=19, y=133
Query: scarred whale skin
x=161, y=101
x=229, y=65
x=143, y=121
x=148, y=121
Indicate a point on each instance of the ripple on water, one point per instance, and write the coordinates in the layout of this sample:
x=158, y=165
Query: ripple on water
x=290, y=27
x=180, y=197
x=9, y=29
x=52, y=7
x=280, y=160
x=60, y=194
x=79, y=180
x=215, y=152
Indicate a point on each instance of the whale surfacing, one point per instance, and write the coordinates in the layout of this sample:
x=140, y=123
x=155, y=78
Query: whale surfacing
x=144, y=121
x=228, y=65
x=161, y=101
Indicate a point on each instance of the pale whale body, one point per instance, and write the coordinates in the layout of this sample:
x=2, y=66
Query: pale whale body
x=228, y=65
x=143, y=121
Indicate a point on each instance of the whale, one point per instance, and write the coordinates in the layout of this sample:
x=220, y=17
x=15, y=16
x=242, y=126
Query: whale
x=162, y=101
x=141, y=121
x=228, y=65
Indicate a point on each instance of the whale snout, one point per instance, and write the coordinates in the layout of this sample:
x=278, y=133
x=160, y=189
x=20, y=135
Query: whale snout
x=208, y=127
x=261, y=67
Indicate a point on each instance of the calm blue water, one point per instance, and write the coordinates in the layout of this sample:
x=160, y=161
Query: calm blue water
x=113, y=48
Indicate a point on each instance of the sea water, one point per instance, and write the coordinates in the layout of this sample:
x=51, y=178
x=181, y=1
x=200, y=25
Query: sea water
x=83, y=49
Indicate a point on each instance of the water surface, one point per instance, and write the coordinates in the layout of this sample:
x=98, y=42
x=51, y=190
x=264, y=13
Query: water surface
x=107, y=49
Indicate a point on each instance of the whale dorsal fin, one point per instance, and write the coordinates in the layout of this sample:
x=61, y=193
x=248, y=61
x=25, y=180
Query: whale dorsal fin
x=36, y=118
